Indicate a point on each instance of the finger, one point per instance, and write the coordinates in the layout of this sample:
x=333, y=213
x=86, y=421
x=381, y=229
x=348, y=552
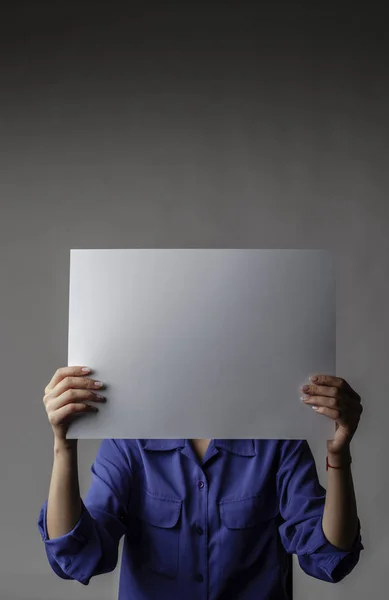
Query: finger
x=344, y=411
x=320, y=390
x=328, y=412
x=74, y=383
x=331, y=380
x=63, y=372
x=73, y=396
x=59, y=416
x=325, y=401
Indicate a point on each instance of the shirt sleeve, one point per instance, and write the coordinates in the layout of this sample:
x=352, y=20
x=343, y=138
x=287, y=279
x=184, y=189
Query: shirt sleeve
x=302, y=501
x=92, y=546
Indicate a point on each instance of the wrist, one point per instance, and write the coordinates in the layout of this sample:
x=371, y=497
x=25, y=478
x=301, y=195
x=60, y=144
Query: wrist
x=339, y=459
x=63, y=446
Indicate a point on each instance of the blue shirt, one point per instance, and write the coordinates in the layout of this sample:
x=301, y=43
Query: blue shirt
x=214, y=530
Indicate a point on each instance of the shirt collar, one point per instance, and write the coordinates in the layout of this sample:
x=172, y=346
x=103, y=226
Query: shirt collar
x=163, y=445
x=240, y=447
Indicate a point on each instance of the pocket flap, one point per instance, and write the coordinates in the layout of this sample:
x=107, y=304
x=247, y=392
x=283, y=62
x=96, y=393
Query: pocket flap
x=157, y=511
x=247, y=512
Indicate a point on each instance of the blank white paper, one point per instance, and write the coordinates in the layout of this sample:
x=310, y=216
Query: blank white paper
x=202, y=343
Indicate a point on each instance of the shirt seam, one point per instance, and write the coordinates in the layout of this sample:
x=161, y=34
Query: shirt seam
x=123, y=455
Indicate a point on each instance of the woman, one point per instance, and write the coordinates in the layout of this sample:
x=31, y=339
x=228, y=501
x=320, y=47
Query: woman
x=212, y=519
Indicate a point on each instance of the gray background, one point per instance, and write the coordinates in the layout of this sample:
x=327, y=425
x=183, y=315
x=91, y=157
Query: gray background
x=187, y=127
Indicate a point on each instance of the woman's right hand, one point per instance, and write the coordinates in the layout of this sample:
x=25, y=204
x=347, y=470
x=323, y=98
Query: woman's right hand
x=65, y=395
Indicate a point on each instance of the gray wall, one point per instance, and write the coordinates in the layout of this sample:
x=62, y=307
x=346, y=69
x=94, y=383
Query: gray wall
x=195, y=127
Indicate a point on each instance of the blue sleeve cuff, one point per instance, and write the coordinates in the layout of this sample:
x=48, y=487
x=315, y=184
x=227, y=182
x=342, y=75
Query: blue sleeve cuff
x=335, y=562
x=320, y=542
x=59, y=549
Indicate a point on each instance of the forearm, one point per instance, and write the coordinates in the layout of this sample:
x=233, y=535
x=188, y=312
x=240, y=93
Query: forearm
x=64, y=502
x=340, y=518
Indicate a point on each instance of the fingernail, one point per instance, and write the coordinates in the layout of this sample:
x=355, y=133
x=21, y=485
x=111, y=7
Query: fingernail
x=98, y=383
x=314, y=407
x=85, y=369
x=314, y=378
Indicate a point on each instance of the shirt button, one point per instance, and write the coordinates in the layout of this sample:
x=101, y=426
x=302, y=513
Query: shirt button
x=201, y=485
x=199, y=530
x=199, y=578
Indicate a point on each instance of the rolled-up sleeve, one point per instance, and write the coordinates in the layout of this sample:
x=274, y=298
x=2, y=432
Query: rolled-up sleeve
x=91, y=547
x=302, y=501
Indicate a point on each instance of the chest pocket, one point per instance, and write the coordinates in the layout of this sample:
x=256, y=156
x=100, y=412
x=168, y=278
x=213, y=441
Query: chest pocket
x=248, y=533
x=156, y=531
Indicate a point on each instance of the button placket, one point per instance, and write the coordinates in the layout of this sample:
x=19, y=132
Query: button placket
x=202, y=486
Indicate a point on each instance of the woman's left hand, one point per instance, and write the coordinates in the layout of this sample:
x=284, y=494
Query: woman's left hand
x=335, y=398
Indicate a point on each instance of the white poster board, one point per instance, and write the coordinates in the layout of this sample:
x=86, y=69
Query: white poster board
x=211, y=343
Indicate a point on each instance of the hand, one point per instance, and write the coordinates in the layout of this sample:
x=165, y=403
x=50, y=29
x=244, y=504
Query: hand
x=335, y=398
x=64, y=397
